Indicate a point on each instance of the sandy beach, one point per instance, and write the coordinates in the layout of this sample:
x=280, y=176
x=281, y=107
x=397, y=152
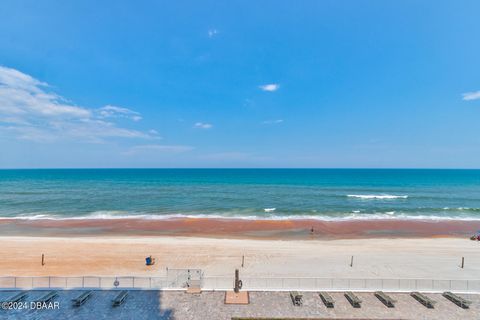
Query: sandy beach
x=437, y=258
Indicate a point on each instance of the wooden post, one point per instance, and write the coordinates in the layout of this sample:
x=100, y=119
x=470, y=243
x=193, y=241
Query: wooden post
x=351, y=262
x=243, y=260
x=463, y=261
x=43, y=259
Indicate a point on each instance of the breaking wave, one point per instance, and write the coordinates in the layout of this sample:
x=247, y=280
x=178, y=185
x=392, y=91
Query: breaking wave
x=375, y=196
x=354, y=215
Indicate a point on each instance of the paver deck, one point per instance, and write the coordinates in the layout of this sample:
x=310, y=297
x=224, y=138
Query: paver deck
x=210, y=305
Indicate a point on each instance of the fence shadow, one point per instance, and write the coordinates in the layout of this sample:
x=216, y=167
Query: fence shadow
x=139, y=304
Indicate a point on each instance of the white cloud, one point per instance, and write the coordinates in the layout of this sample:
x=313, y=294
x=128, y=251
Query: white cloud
x=158, y=148
x=201, y=125
x=212, y=33
x=29, y=110
x=471, y=95
x=110, y=111
x=276, y=121
x=21, y=94
x=271, y=87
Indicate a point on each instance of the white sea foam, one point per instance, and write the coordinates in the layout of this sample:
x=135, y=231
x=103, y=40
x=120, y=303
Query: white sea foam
x=462, y=209
x=118, y=215
x=376, y=196
x=269, y=209
x=27, y=217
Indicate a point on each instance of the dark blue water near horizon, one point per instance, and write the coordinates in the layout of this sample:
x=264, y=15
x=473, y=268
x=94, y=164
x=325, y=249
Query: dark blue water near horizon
x=326, y=194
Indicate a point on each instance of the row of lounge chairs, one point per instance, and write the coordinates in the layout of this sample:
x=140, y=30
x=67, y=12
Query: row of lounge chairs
x=356, y=302
x=46, y=298
x=119, y=299
x=77, y=302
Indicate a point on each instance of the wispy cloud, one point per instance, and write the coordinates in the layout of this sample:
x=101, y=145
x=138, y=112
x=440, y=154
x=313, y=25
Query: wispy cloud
x=471, y=95
x=119, y=112
x=30, y=110
x=276, y=121
x=212, y=33
x=271, y=87
x=202, y=125
x=158, y=149
x=20, y=94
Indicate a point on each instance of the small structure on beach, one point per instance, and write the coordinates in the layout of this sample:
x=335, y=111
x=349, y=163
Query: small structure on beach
x=149, y=261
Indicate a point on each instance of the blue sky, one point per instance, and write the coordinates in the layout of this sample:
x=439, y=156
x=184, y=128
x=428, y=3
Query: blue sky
x=239, y=84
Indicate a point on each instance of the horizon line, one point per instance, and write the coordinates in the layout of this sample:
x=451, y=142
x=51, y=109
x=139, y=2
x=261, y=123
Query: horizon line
x=238, y=168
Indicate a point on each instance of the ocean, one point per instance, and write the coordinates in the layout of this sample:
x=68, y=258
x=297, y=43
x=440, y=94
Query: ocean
x=324, y=194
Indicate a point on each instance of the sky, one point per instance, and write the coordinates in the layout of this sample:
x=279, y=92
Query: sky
x=329, y=84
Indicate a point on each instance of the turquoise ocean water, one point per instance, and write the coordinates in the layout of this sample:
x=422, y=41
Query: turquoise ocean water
x=326, y=194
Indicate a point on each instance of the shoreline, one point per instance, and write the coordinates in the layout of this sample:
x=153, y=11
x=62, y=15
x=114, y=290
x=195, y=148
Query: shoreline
x=242, y=228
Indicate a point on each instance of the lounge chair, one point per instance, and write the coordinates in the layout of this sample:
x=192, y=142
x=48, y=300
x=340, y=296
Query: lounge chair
x=18, y=297
x=327, y=299
x=297, y=298
x=459, y=301
x=423, y=299
x=385, y=299
x=81, y=299
x=48, y=297
x=120, y=298
x=353, y=299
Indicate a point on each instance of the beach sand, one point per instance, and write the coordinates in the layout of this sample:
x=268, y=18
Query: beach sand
x=437, y=258
x=241, y=228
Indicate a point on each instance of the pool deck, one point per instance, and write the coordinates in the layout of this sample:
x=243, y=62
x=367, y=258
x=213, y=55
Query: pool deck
x=153, y=304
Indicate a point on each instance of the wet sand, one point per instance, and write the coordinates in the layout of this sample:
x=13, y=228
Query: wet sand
x=237, y=228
